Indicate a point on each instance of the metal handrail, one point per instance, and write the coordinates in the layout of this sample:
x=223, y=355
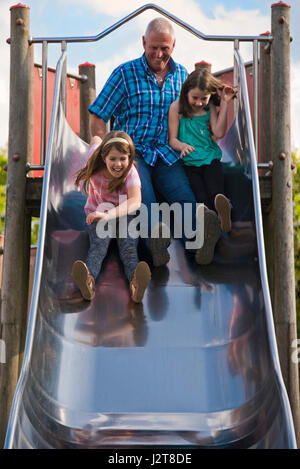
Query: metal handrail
x=261, y=249
x=137, y=12
x=59, y=75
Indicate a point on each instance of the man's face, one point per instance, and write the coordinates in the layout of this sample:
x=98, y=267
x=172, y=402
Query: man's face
x=158, y=49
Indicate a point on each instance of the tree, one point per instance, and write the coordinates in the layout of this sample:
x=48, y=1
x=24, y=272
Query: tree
x=3, y=163
x=296, y=194
x=35, y=221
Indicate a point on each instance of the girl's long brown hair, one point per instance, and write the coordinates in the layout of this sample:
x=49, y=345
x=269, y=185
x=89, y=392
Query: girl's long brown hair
x=96, y=161
x=205, y=81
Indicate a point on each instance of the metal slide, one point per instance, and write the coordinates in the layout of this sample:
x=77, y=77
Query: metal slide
x=195, y=365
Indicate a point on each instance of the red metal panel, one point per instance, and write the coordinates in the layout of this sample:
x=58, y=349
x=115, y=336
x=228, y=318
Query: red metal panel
x=72, y=108
x=73, y=104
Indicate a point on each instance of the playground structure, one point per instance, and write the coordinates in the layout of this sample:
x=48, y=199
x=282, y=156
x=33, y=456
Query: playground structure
x=273, y=126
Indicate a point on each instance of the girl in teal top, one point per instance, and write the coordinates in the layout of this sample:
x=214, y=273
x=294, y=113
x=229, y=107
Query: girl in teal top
x=192, y=121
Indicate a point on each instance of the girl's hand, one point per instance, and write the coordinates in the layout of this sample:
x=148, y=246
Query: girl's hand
x=227, y=93
x=95, y=140
x=187, y=149
x=95, y=216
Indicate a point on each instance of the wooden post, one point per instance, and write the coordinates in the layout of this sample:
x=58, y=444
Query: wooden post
x=282, y=204
x=17, y=223
x=87, y=97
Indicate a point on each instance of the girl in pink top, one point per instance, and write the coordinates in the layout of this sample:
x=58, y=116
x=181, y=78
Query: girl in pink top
x=113, y=186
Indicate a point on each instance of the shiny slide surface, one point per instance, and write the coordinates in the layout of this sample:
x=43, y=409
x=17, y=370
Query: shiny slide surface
x=195, y=365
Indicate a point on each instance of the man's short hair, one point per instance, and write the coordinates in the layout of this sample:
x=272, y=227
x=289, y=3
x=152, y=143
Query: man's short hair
x=160, y=25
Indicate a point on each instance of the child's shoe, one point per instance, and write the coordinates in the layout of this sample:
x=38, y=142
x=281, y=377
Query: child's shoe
x=84, y=280
x=159, y=242
x=212, y=233
x=223, y=208
x=139, y=282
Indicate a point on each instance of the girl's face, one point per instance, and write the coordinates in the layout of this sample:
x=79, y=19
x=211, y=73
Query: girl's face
x=197, y=99
x=116, y=163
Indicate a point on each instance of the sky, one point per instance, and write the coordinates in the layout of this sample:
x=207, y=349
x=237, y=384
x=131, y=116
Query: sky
x=84, y=18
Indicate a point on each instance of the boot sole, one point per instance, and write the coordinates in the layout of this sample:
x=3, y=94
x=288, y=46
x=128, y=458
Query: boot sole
x=224, y=212
x=80, y=276
x=159, y=249
x=212, y=233
x=142, y=276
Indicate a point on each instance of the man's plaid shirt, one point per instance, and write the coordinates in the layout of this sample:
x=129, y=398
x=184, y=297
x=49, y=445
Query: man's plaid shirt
x=140, y=106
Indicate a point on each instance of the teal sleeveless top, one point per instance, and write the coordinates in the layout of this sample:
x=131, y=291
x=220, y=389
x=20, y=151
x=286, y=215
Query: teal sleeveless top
x=195, y=132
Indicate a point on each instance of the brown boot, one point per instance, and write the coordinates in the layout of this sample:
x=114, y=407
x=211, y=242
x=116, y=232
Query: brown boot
x=139, y=282
x=212, y=233
x=223, y=208
x=159, y=242
x=84, y=280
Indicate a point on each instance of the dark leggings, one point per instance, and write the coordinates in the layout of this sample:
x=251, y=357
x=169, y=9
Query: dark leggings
x=206, y=182
x=99, y=247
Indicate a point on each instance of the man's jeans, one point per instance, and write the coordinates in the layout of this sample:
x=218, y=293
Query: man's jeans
x=172, y=184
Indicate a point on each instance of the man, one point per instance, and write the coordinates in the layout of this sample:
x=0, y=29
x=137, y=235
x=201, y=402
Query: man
x=138, y=95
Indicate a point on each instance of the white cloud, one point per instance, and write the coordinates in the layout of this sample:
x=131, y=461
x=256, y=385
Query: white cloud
x=110, y=8
x=235, y=22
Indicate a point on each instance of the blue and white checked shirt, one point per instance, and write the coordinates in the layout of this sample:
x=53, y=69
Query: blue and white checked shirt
x=140, y=106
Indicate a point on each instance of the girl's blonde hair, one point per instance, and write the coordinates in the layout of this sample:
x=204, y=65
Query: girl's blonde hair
x=200, y=78
x=96, y=162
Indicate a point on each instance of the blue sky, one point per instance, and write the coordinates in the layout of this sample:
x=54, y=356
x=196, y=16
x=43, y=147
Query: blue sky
x=77, y=17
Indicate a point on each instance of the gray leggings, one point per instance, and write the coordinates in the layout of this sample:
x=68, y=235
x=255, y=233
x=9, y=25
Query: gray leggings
x=99, y=247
